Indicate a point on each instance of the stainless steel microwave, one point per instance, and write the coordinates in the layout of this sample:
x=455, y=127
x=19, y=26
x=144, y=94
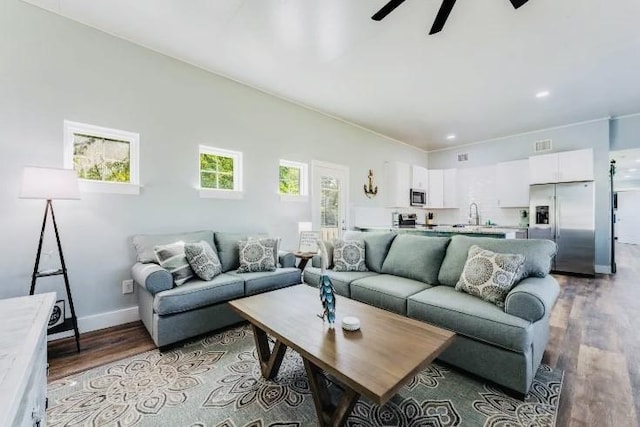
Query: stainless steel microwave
x=417, y=197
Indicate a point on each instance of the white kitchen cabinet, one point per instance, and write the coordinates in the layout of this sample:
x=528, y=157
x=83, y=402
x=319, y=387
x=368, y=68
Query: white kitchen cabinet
x=566, y=166
x=575, y=165
x=450, y=188
x=512, y=180
x=398, y=184
x=419, y=178
x=442, y=187
x=435, y=195
x=543, y=169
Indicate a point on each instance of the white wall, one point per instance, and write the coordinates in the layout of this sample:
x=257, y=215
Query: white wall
x=53, y=69
x=574, y=137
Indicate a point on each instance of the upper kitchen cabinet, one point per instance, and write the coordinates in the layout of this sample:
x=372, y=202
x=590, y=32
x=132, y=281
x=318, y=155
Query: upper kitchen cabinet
x=442, y=189
x=435, y=195
x=398, y=179
x=450, y=186
x=575, y=165
x=512, y=180
x=419, y=178
x=566, y=166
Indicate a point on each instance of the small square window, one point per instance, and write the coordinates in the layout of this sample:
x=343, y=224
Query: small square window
x=220, y=170
x=106, y=160
x=292, y=179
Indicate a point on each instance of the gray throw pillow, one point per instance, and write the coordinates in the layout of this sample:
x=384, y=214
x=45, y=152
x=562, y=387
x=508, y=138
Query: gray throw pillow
x=256, y=255
x=172, y=258
x=489, y=275
x=203, y=260
x=349, y=255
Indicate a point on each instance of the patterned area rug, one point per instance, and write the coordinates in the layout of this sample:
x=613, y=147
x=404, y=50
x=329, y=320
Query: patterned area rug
x=216, y=382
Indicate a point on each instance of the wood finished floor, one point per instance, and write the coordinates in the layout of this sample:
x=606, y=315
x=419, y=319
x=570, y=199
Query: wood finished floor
x=594, y=338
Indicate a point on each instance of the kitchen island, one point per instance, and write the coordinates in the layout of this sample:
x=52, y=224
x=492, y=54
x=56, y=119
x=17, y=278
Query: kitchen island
x=447, y=230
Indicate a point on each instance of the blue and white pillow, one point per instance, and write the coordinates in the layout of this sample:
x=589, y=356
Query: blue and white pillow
x=349, y=255
x=203, y=260
x=257, y=255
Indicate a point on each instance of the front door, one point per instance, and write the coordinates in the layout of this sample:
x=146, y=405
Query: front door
x=330, y=186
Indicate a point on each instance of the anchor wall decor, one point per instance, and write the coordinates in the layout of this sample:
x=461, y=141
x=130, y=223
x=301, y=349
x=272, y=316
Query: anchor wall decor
x=369, y=190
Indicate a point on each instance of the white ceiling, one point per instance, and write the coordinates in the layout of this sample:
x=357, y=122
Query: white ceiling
x=476, y=79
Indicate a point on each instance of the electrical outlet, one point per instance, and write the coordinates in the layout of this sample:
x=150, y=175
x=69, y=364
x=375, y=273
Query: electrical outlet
x=127, y=286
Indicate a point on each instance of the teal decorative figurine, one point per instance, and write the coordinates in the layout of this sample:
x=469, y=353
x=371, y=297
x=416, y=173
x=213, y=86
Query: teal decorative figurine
x=327, y=292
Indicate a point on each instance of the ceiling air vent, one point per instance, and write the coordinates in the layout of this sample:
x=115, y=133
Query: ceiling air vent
x=544, y=145
x=463, y=157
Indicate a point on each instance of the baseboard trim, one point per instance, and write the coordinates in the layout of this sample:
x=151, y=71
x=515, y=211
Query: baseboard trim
x=101, y=321
x=603, y=269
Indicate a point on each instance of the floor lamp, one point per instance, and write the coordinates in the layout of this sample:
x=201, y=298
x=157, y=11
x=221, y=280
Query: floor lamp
x=52, y=184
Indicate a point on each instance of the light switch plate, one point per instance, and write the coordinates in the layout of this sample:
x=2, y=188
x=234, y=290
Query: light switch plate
x=127, y=286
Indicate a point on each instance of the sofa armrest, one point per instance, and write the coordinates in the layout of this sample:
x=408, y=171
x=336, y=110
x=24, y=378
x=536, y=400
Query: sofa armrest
x=532, y=298
x=153, y=277
x=286, y=259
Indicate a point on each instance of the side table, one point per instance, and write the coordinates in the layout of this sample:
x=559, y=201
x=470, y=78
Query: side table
x=304, y=258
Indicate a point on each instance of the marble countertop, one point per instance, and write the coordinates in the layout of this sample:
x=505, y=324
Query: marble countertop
x=473, y=229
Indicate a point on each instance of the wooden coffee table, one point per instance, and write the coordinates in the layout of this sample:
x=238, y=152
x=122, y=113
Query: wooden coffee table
x=375, y=361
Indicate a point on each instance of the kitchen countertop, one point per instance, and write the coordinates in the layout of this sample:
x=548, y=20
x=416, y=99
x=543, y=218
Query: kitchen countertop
x=505, y=232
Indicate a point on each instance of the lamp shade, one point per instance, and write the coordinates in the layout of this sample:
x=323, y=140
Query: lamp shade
x=49, y=183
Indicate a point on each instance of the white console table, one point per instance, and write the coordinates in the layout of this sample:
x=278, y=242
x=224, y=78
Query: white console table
x=23, y=359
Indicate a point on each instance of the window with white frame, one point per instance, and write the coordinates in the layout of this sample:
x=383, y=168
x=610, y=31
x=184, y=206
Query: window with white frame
x=105, y=159
x=220, y=170
x=292, y=179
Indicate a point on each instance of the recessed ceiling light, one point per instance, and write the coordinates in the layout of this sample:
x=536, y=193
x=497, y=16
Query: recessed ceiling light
x=451, y=136
x=627, y=176
x=543, y=94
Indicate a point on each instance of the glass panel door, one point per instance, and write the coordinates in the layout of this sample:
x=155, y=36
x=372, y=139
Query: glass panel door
x=330, y=184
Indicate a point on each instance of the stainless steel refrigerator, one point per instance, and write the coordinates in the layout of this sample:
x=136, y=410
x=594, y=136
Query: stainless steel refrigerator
x=565, y=213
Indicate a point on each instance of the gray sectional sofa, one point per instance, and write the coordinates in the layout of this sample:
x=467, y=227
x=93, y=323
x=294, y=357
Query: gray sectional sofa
x=416, y=276
x=172, y=314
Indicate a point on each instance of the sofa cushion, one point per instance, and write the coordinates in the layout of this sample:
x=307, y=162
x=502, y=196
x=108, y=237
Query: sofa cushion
x=172, y=258
x=489, y=275
x=472, y=317
x=145, y=243
x=386, y=291
x=538, y=255
x=416, y=257
x=340, y=279
x=376, y=247
x=203, y=260
x=256, y=255
x=264, y=281
x=198, y=293
x=348, y=255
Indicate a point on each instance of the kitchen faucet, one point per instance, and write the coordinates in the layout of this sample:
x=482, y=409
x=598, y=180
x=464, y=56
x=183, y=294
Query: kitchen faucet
x=474, y=216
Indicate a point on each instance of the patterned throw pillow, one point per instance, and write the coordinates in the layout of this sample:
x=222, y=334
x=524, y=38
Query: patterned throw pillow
x=348, y=255
x=256, y=255
x=489, y=275
x=172, y=258
x=203, y=260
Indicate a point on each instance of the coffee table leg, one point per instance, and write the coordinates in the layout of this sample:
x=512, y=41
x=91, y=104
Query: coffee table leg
x=328, y=413
x=269, y=361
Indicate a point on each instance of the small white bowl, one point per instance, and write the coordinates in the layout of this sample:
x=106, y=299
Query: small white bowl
x=350, y=323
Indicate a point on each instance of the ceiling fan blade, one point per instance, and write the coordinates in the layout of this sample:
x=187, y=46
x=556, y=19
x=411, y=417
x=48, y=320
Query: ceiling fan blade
x=518, y=3
x=441, y=17
x=386, y=9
